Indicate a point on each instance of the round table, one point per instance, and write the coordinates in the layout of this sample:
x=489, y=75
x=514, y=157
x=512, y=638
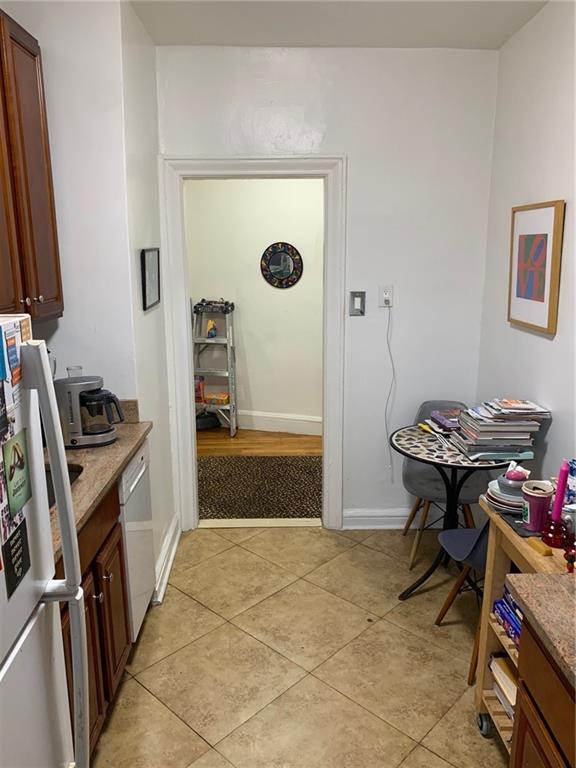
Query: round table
x=454, y=468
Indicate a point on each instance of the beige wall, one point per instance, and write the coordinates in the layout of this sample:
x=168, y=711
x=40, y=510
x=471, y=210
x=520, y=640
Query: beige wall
x=229, y=224
x=533, y=162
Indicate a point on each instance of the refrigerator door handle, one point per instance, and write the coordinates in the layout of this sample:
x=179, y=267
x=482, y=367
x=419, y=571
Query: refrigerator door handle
x=38, y=376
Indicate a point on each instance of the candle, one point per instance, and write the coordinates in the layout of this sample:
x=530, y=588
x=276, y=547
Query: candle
x=560, y=491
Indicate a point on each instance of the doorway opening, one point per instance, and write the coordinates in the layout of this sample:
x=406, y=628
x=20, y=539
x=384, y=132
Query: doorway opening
x=174, y=172
x=255, y=257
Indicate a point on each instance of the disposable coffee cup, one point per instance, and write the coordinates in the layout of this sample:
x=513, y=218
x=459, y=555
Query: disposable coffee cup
x=536, y=495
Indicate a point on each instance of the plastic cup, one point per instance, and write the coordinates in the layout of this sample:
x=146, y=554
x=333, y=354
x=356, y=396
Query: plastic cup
x=537, y=495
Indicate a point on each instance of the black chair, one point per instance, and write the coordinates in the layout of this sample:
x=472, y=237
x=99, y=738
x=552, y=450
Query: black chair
x=469, y=547
x=425, y=483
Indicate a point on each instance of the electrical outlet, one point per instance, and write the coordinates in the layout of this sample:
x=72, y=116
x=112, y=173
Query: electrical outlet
x=385, y=296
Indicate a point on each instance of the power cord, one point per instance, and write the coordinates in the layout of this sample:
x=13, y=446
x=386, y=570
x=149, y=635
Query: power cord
x=390, y=392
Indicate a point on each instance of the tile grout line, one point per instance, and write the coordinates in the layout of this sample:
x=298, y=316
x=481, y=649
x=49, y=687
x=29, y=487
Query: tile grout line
x=176, y=715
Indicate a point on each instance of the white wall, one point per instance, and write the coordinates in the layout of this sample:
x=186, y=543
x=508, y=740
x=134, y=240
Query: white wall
x=81, y=55
x=533, y=162
x=141, y=150
x=278, y=333
x=416, y=127
x=101, y=103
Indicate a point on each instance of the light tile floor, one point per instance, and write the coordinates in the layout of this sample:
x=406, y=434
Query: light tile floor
x=288, y=648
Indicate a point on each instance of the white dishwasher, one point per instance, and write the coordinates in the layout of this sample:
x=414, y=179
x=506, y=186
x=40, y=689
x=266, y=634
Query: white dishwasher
x=136, y=519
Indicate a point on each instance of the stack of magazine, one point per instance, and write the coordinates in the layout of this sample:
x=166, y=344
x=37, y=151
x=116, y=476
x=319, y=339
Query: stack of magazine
x=499, y=430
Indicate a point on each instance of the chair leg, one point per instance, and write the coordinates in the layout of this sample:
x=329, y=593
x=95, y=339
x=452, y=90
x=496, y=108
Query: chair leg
x=474, y=657
x=421, y=526
x=468, y=516
x=458, y=584
x=411, y=516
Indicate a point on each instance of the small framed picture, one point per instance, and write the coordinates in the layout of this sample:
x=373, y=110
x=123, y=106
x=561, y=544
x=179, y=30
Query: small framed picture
x=150, y=264
x=535, y=256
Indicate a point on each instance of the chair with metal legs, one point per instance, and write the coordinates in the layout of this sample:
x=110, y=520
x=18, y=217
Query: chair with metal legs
x=469, y=548
x=425, y=483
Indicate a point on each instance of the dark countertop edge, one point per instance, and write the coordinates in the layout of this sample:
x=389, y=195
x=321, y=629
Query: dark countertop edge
x=81, y=522
x=548, y=641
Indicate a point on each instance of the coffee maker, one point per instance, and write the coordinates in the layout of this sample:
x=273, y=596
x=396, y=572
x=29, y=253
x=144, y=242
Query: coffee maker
x=87, y=411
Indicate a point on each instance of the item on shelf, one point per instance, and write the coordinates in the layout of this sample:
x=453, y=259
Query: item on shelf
x=217, y=398
x=448, y=420
x=211, y=329
x=508, y=619
x=537, y=495
x=199, y=389
x=499, y=429
x=515, y=473
x=505, y=683
x=555, y=532
x=571, y=487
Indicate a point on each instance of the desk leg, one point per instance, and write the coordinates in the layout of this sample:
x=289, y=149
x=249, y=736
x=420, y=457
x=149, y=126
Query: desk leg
x=498, y=566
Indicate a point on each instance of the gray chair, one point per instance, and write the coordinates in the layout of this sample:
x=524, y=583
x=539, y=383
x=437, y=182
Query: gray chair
x=470, y=549
x=425, y=483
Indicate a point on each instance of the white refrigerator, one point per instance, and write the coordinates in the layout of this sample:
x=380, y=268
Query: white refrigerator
x=35, y=722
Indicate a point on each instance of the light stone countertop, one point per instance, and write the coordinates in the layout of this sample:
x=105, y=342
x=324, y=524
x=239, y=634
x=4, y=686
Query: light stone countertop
x=101, y=468
x=548, y=601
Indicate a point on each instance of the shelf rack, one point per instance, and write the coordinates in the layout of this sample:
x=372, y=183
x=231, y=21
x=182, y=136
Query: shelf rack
x=201, y=343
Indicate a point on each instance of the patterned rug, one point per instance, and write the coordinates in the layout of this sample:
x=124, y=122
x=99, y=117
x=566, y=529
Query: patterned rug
x=231, y=487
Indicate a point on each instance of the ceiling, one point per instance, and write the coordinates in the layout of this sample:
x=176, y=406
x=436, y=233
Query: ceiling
x=335, y=23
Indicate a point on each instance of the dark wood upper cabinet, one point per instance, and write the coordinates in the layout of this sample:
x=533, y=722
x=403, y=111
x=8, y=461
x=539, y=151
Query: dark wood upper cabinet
x=11, y=293
x=25, y=150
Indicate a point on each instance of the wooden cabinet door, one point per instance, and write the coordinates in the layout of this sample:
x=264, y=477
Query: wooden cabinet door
x=31, y=169
x=115, y=628
x=11, y=293
x=97, y=703
x=532, y=745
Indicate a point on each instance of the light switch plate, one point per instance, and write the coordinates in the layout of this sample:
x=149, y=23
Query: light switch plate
x=357, y=305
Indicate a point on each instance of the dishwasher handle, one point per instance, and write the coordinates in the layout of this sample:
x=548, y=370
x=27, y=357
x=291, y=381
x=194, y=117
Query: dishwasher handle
x=143, y=469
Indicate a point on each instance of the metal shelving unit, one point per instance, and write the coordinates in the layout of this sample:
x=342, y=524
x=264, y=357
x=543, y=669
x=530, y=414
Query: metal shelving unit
x=205, y=310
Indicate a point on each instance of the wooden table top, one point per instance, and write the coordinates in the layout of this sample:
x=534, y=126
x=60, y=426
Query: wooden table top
x=518, y=549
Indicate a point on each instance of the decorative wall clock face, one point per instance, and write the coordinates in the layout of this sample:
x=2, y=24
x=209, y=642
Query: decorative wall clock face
x=281, y=265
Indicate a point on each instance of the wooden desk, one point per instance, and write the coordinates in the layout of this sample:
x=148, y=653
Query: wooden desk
x=505, y=547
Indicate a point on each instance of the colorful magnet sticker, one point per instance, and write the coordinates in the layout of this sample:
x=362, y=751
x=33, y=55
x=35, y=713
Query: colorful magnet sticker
x=17, y=472
x=3, y=413
x=2, y=358
x=25, y=329
x=13, y=358
x=16, y=556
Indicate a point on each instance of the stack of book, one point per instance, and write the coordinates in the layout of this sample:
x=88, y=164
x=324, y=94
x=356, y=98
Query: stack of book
x=509, y=616
x=499, y=430
x=505, y=683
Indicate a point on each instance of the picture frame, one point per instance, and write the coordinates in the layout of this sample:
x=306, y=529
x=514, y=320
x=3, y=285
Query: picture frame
x=150, y=267
x=534, y=270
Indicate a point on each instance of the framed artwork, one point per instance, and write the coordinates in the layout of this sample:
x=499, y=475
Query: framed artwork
x=150, y=265
x=535, y=255
x=281, y=265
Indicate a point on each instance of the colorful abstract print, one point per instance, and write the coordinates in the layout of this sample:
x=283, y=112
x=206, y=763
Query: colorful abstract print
x=531, y=274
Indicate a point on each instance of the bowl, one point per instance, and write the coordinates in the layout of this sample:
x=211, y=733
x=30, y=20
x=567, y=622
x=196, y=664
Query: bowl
x=511, y=487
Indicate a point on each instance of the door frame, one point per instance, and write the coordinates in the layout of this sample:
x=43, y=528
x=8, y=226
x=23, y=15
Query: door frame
x=173, y=171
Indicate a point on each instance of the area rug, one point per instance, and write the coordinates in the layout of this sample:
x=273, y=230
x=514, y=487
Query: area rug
x=233, y=487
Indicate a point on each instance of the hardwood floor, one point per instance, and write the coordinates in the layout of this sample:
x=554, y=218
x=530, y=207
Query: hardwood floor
x=248, y=442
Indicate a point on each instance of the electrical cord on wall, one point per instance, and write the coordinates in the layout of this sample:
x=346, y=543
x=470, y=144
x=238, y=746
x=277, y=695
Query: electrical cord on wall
x=390, y=392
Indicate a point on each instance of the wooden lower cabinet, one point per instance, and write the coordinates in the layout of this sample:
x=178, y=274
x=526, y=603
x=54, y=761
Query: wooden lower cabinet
x=107, y=622
x=533, y=745
x=97, y=704
x=544, y=732
x=114, y=623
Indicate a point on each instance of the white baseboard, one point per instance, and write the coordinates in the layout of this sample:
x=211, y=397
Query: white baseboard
x=375, y=518
x=280, y=422
x=166, y=558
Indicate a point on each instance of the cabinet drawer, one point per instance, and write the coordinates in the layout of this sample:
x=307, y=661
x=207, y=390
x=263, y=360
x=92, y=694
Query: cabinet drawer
x=549, y=691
